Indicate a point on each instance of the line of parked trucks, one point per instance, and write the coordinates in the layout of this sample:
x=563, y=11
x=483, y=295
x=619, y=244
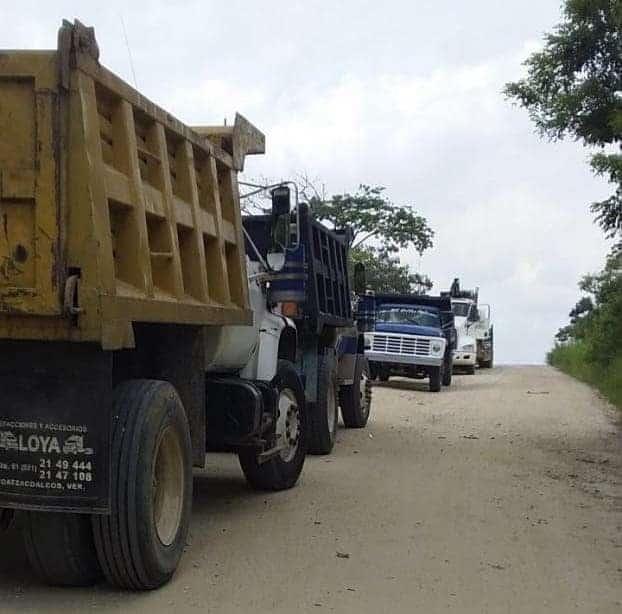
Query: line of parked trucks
x=144, y=321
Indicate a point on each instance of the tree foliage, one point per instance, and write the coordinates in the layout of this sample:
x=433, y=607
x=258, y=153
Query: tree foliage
x=379, y=229
x=574, y=88
x=370, y=215
x=596, y=320
x=385, y=273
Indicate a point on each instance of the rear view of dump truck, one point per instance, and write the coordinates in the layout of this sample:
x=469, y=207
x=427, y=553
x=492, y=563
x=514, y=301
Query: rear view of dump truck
x=131, y=338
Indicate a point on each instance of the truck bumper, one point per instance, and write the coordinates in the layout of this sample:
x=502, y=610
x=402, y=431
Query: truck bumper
x=55, y=424
x=425, y=361
x=464, y=359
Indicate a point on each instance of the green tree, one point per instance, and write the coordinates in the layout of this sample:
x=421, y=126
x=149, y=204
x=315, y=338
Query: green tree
x=579, y=318
x=379, y=228
x=385, y=273
x=371, y=215
x=574, y=88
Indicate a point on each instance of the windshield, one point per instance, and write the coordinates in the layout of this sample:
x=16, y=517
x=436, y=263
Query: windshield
x=408, y=315
x=460, y=309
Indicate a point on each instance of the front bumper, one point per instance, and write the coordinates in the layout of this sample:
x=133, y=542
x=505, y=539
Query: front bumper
x=464, y=359
x=401, y=359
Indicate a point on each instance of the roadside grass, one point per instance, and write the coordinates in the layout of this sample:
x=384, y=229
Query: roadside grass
x=573, y=359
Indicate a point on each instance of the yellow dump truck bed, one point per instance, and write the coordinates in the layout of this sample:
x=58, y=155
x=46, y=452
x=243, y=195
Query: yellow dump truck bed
x=111, y=210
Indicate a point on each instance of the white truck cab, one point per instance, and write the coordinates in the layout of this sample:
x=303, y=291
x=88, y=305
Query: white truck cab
x=475, y=332
x=465, y=354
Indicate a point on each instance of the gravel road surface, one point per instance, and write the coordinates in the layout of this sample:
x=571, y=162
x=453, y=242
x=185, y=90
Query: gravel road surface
x=501, y=494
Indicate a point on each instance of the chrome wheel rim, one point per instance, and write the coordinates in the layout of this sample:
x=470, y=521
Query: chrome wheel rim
x=168, y=487
x=288, y=424
x=364, y=385
x=331, y=407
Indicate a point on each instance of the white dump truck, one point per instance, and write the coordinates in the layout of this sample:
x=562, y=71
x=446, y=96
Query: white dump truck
x=474, y=326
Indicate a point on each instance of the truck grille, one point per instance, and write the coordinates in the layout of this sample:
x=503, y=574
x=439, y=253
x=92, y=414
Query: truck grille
x=397, y=344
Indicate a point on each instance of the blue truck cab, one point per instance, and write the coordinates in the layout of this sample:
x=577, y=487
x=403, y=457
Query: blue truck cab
x=408, y=335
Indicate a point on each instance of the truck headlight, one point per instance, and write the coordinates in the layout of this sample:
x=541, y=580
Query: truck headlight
x=367, y=342
x=469, y=347
x=436, y=347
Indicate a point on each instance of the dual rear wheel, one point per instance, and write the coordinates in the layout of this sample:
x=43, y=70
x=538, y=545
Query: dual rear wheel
x=139, y=544
x=354, y=400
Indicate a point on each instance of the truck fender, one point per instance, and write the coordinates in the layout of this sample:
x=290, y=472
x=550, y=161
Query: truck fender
x=288, y=343
x=348, y=348
x=271, y=332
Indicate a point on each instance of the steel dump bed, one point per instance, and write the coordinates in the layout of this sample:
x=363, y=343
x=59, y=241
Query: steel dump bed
x=111, y=210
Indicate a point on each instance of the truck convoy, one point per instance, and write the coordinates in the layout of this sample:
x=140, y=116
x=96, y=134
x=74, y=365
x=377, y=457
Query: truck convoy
x=136, y=332
x=474, y=326
x=409, y=335
x=144, y=321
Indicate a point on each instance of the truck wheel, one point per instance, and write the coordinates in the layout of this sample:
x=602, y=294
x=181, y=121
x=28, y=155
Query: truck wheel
x=323, y=415
x=140, y=543
x=60, y=548
x=487, y=364
x=447, y=373
x=373, y=371
x=355, y=399
x=282, y=471
x=435, y=379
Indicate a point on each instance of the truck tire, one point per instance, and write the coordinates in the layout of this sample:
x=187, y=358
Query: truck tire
x=435, y=375
x=487, y=364
x=60, y=548
x=323, y=414
x=355, y=399
x=140, y=543
x=447, y=372
x=282, y=471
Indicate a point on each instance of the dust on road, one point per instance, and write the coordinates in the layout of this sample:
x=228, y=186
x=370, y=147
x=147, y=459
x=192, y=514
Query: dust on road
x=501, y=494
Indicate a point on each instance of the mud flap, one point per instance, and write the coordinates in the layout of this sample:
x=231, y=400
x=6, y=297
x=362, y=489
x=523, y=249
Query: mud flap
x=55, y=423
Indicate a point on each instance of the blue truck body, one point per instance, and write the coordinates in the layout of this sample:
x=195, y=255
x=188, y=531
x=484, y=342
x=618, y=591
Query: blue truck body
x=408, y=335
x=313, y=289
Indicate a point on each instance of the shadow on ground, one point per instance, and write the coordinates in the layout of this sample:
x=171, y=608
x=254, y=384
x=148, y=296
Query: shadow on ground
x=477, y=381
x=213, y=494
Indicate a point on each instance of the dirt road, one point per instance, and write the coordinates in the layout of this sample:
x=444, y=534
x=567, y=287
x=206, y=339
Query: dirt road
x=502, y=494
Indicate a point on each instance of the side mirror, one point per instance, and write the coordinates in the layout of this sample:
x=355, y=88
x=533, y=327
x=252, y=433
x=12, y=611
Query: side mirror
x=360, y=281
x=276, y=260
x=281, y=201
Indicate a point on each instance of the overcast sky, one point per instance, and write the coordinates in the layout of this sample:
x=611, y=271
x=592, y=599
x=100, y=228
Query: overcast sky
x=403, y=94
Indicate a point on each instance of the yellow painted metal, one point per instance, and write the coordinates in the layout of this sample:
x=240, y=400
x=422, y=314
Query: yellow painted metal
x=98, y=182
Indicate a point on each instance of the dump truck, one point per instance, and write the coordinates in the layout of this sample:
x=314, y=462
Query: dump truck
x=133, y=335
x=475, y=329
x=313, y=289
x=409, y=335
